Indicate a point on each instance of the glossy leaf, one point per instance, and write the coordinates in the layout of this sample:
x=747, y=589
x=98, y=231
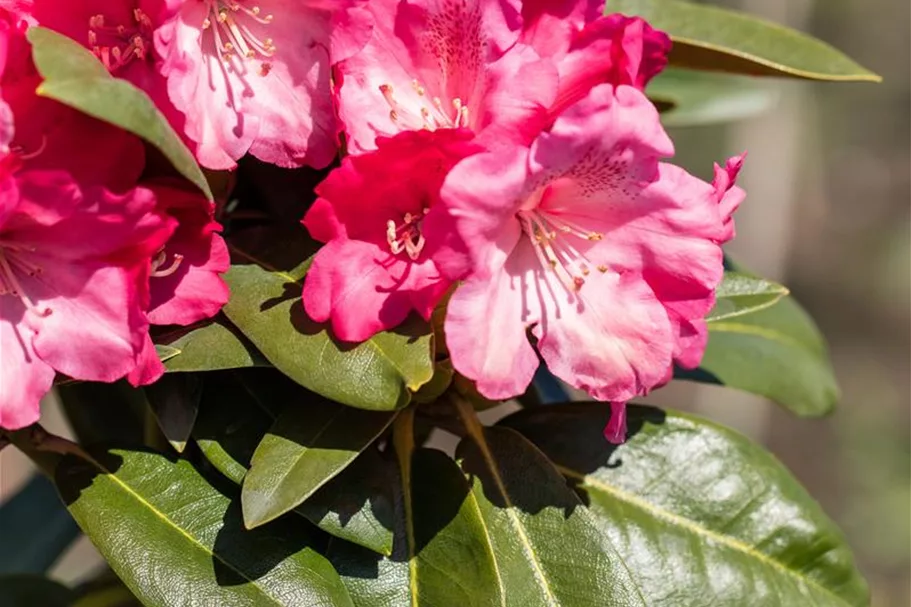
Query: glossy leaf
x=549, y=549
x=379, y=374
x=75, y=77
x=310, y=442
x=237, y=412
x=690, y=98
x=175, y=540
x=211, y=347
x=740, y=294
x=776, y=352
x=34, y=522
x=441, y=555
x=697, y=510
x=174, y=401
x=713, y=38
x=24, y=590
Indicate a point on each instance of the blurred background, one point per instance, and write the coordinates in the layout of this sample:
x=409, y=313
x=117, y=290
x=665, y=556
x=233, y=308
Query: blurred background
x=828, y=214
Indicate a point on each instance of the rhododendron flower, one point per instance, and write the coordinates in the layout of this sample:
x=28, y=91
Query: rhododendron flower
x=606, y=255
x=378, y=215
x=74, y=269
x=479, y=65
x=254, y=76
x=433, y=65
x=185, y=283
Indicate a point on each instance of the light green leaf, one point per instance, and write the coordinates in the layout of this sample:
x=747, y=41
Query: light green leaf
x=310, y=443
x=213, y=346
x=713, y=38
x=441, y=555
x=690, y=98
x=548, y=547
x=176, y=540
x=740, y=294
x=238, y=409
x=74, y=76
x=698, y=511
x=379, y=374
x=776, y=352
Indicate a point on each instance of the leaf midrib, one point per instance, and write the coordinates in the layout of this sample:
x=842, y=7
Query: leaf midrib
x=143, y=502
x=692, y=526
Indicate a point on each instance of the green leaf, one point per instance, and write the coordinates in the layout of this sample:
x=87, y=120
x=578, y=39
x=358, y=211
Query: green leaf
x=174, y=401
x=36, y=523
x=310, y=442
x=441, y=555
x=698, y=510
x=74, y=76
x=549, y=549
x=713, y=38
x=777, y=353
x=214, y=346
x=690, y=98
x=740, y=294
x=175, y=540
x=379, y=374
x=236, y=413
x=24, y=590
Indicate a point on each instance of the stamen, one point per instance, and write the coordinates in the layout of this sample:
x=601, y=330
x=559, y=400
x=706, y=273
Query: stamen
x=118, y=46
x=160, y=259
x=230, y=21
x=417, y=114
x=555, y=252
x=406, y=237
x=9, y=284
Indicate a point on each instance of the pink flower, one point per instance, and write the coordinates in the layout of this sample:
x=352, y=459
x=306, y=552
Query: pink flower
x=378, y=213
x=443, y=64
x=74, y=269
x=185, y=281
x=254, y=76
x=606, y=255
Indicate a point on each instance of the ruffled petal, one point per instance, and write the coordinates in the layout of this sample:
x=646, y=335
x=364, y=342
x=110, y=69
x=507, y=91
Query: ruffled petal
x=24, y=377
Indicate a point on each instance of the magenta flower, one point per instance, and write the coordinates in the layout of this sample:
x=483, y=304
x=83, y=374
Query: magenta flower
x=185, y=283
x=606, y=255
x=379, y=216
x=432, y=65
x=74, y=269
x=254, y=76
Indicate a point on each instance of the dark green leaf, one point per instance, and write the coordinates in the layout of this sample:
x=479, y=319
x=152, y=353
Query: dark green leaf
x=174, y=400
x=34, y=522
x=74, y=76
x=549, y=549
x=379, y=374
x=310, y=442
x=33, y=591
x=176, y=540
x=691, y=98
x=238, y=410
x=441, y=555
x=697, y=510
x=212, y=347
x=740, y=294
x=713, y=38
x=776, y=352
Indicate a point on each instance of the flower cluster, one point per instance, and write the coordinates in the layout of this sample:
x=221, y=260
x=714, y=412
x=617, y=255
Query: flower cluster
x=499, y=153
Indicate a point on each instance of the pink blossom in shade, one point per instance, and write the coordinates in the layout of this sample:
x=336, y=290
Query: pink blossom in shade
x=605, y=254
x=444, y=64
x=185, y=283
x=378, y=215
x=47, y=132
x=74, y=268
x=253, y=76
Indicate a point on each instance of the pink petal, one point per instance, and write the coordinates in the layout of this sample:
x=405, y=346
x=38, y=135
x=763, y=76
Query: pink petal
x=486, y=329
x=149, y=367
x=24, y=377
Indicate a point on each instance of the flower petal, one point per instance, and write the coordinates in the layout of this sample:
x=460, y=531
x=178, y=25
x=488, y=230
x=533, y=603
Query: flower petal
x=24, y=377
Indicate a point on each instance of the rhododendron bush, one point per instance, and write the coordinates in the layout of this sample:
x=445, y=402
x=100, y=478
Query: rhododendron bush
x=272, y=258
